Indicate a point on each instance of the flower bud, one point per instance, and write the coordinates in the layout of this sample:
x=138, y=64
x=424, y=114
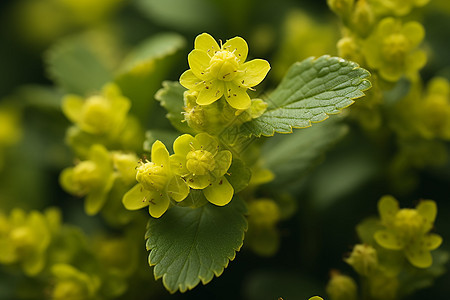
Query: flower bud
x=264, y=212
x=363, y=18
x=363, y=259
x=341, y=287
x=342, y=8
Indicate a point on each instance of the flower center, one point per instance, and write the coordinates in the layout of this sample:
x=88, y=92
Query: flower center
x=395, y=47
x=96, y=114
x=86, y=176
x=408, y=222
x=199, y=162
x=151, y=176
x=224, y=65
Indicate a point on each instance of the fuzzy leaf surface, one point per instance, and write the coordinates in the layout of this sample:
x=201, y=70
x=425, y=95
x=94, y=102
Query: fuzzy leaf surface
x=77, y=65
x=192, y=245
x=310, y=91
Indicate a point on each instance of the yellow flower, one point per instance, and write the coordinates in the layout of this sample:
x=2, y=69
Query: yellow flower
x=92, y=178
x=98, y=114
x=221, y=71
x=408, y=230
x=392, y=49
x=200, y=162
x=157, y=184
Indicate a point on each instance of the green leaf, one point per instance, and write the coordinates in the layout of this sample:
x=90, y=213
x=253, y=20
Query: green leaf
x=310, y=91
x=79, y=65
x=192, y=245
x=290, y=157
x=144, y=68
x=191, y=16
x=171, y=98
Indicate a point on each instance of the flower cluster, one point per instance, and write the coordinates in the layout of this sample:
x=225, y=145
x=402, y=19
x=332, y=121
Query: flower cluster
x=408, y=230
x=196, y=164
x=222, y=71
x=24, y=239
x=391, y=49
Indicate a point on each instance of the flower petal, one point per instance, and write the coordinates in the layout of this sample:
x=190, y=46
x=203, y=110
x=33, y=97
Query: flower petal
x=136, y=197
x=72, y=106
x=211, y=92
x=252, y=73
x=160, y=155
x=387, y=208
x=178, y=164
x=419, y=256
x=414, y=32
x=387, y=26
x=177, y=189
x=432, y=241
x=206, y=43
x=207, y=142
x=236, y=96
x=184, y=143
x=8, y=252
x=100, y=155
x=158, y=205
x=388, y=240
x=190, y=81
x=94, y=201
x=428, y=210
x=220, y=192
x=198, y=182
x=223, y=163
x=33, y=263
x=238, y=46
x=199, y=62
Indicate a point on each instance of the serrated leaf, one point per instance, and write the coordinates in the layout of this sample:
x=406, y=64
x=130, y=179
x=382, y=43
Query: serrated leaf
x=78, y=65
x=290, y=157
x=171, y=98
x=192, y=245
x=310, y=91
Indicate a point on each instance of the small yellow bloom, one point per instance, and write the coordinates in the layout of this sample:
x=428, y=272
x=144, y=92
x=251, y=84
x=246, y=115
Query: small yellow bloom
x=98, y=114
x=92, y=178
x=392, y=49
x=221, y=71
x=408, y=230
x=199, y=161
x=157, y=184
